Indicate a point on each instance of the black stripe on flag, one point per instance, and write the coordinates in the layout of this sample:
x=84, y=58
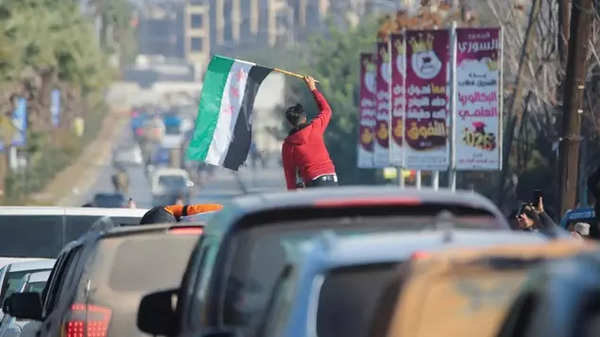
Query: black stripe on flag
x=242, y=133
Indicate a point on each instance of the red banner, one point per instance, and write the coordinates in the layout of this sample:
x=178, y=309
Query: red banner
x=367, y=110
x=427, y=91
x=383, y=79
x=398, y=97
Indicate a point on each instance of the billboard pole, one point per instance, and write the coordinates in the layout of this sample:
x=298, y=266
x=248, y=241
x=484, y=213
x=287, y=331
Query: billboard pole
x=452, y=176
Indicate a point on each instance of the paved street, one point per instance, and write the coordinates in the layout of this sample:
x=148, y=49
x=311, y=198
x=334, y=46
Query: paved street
x=219, y=187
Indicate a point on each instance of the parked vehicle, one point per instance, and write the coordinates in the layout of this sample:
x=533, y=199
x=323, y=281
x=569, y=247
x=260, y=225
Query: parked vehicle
x=99, y=280
x=170, y=184
x=232, y=250
x=477, y=287
x=109, y=200
x=559, y=299
x=128, y=156
x=313, y=294
x=43, y=231
x=33, y=282
x=12, y=274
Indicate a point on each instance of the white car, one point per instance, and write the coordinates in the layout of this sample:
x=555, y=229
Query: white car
x=128, y=156
x=33, y=282
x=169, y=184
x=11, y=275
x=41, y=232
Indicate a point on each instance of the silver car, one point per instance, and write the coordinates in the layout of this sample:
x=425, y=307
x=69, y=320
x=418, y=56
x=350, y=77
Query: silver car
x=34, y=282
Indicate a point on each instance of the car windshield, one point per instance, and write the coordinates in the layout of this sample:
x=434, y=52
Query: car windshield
x=250, y=280
x=171, y=181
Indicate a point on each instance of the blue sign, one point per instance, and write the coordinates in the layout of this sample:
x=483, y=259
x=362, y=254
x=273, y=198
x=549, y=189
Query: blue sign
x=20, y=123
x=578, y=215
x=55, y=107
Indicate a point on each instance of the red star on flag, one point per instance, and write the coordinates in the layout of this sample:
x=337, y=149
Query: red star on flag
x=235, y=91
x=241, y=75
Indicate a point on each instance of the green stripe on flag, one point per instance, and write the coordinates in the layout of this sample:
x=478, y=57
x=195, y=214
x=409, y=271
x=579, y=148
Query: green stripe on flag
x=210, y=105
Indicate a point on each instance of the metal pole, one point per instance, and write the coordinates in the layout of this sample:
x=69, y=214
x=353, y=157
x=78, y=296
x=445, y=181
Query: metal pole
x=436, y=180
x=452, y=177
x=418, y=180
x=401, y=182
x=582, y=15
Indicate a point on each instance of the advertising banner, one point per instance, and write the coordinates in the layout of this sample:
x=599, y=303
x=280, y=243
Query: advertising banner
x=13, y=130
x=55, y=107
x=478, y=116
x=398, y=98
x=367, y=110
x=383, y=79
x=426, y=122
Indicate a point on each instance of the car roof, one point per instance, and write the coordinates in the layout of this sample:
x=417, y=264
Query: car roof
x=73, y=211
x=344, y=196
x=32, y=265
x=332, y=251
x=40, y=276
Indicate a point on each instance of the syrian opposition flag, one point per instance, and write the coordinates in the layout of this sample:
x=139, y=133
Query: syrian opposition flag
x=223, y=131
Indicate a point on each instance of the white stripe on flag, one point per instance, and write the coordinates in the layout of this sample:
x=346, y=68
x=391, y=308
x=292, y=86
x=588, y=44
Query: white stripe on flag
x=233, y=95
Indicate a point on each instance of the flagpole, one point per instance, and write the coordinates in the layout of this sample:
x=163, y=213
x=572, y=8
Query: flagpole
x=289, y=73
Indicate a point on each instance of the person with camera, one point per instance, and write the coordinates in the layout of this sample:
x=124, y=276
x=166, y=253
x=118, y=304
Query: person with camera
x=532, y=218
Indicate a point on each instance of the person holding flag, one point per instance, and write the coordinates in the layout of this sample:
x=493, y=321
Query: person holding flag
x=304, y=151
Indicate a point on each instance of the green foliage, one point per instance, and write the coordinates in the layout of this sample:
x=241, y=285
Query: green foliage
x=46, y=44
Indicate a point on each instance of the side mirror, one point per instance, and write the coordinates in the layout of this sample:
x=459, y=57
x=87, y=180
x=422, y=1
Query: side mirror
x=24, y=305
x=156, y=315
x=190, y=184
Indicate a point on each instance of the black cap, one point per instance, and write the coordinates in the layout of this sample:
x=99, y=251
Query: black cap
x=157, y=215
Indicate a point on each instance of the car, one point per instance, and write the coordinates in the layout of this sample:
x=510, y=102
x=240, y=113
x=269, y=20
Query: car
x=99, y=280
x=11, y=275
x=109, y=200
x=128, y=156
x=232, y=249
x=559, y=299
x=313, y=295
x=35, y=232
x=170, y=184
x=477, y=286
x=32, y=282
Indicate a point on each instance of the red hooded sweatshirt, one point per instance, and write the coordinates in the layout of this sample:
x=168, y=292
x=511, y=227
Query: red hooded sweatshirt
x=304, y=149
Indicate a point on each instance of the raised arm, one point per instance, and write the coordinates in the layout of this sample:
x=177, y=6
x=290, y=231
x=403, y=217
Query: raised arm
x=322, y=120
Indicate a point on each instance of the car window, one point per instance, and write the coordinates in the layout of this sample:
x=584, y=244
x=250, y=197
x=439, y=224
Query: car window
x=204, y=266
x=36, y=287
x=14, y=281
x=31, y=235
x=348, y=299
x=168, y=254
x=56, y=287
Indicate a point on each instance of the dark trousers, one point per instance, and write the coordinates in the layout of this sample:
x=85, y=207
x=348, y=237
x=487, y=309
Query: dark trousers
x=323, y=181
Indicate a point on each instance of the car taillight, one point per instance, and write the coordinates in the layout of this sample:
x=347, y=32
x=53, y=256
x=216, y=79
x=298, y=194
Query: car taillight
x=191, y=230
x=87, y=321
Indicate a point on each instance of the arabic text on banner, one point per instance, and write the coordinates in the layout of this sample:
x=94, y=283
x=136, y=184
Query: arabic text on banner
x=478, y=112
x=367, y=110
x=426, y=126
